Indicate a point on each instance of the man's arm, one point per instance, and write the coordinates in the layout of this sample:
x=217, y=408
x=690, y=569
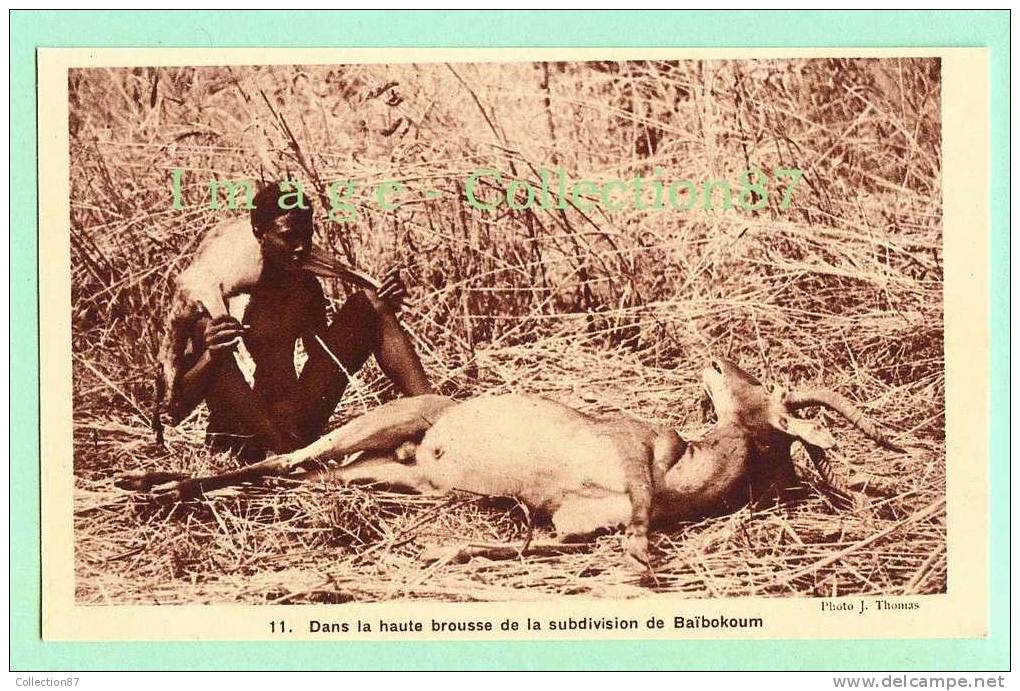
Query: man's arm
x=392, y=291
x=219, y=338
x=314, y=314
x=214, y=366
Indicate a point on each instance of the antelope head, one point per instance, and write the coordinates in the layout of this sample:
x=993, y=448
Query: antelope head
x=765, y=417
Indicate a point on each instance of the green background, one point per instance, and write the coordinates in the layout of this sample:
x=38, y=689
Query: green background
x=30, y=30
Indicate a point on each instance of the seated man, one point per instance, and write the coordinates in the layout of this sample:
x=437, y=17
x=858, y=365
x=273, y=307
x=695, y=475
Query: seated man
x=282, y=410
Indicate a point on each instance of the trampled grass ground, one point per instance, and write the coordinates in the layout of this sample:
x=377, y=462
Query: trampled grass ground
x=601, y=309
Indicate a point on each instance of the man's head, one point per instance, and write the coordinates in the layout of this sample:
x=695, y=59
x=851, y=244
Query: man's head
x=285, y=234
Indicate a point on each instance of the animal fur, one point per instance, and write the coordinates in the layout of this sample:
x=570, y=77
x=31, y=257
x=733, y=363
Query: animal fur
x=585, y=472
x=228, y=263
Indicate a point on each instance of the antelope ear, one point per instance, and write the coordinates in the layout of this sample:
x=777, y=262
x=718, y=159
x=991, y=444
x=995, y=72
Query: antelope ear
x=805, y=430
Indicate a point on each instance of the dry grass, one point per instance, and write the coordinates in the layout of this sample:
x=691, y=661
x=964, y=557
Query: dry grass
x=600, y=310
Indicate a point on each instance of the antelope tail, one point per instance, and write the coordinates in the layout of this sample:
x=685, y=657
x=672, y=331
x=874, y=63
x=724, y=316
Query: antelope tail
x=801, y=398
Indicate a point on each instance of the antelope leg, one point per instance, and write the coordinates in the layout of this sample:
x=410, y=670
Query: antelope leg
x=502, y=551
x=383, y=470
x=580, y=515
x=638, y=469
x=143, y=481
x=188, y=488
x=383, y=428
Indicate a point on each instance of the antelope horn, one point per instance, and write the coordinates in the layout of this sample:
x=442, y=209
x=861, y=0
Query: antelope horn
x=801, y=398
x=835, y=486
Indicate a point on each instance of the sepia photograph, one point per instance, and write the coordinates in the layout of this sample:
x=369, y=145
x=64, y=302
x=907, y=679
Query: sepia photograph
x=507, y=331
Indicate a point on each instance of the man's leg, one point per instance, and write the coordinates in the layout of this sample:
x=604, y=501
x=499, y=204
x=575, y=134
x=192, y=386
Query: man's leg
x=239, y=420
x=364, y=326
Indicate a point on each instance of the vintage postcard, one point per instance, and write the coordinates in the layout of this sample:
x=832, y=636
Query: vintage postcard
x=519, y=344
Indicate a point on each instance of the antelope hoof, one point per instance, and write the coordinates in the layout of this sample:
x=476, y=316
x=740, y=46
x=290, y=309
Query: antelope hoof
x=181, y=490
x=636, y=549
x=143, y=481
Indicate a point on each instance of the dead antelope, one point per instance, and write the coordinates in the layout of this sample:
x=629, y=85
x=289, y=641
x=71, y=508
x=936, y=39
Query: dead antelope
x=586, y=473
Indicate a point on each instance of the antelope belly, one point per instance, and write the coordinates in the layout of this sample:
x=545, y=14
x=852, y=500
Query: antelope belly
x=523, y=446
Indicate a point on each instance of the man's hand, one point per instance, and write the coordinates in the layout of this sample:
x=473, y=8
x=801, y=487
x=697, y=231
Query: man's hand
x=222, y=334
x=393, y=291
